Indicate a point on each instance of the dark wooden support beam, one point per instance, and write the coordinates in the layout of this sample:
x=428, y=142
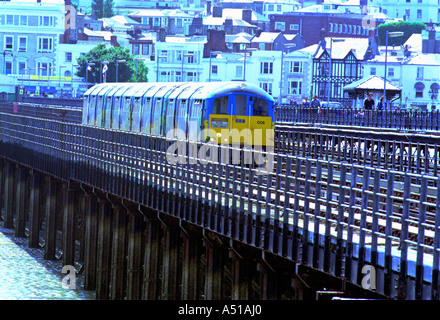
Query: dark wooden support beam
x=35, y=209
x=90, y=243
x=216, y=255
x=103, y=249
x=51, y=218
x=69, y=222
x=152, y=265
x=21, y=198
x=136, y=251
x=9, y=195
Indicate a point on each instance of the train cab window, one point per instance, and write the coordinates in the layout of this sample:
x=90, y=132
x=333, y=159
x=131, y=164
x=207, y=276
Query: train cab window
x=261, y=108
x=220, y=105
x=240, y=105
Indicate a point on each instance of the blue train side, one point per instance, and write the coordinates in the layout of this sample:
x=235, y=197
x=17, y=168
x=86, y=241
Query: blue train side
x=157, y=108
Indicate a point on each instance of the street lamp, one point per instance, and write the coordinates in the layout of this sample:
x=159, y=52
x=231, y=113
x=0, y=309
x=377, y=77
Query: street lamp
x=87, y=72
x=392, y=35
x=59, y=79
x=210, y=56
x=330, y=68
x=71, y=79
x=246, y=50
x=117, y=62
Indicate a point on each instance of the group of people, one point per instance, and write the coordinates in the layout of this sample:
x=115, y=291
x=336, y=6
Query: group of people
x=313, y=104
x=369, y=103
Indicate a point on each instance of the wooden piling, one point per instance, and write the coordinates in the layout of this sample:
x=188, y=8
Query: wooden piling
x=191, y=265
x=51, y=216
x=215, y=259
x=21, y=197
x=171, y=283
x=242, y=272
x=35, y=212
x=119, y=253
x=9, y=196
x=90, y=243
x=103, y=249
x=69, y=223
x=152, y=265
x=136, y=251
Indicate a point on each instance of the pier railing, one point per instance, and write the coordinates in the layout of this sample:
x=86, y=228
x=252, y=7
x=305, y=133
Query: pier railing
x=334, y=216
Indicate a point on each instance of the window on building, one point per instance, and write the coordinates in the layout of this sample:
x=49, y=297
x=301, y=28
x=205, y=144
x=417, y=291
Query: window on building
x=270, y=7
x=145, y=49
x=280, y=26
x=22, y=44
x=419, y=87
x=373, y=71
x=9, y=19
x=266, y=86
x=214, y=69
x=21, y=66
x=46, y=21
x=191, y=57
x=45, y=44
x=179, y=23
x=419, y=14
x=294, y=27
x=178, y=76
x=136, y=48
x=43, y=68
x=266, y=67
x=419, y=72
x=8, y=67
x=9, y=43
x=278, y=7
x=390, y=72
x=296, y=67
x=23, y=20
x=295, y=87
x=238, y=71
x=68, y=56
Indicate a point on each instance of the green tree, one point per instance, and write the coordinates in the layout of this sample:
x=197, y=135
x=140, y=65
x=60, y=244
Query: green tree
x=408, y=28
x=108, y=9
x=126, y=70
x=98, y=8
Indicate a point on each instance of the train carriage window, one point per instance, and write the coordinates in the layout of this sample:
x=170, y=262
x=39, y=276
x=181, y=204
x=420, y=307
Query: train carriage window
x=261, y=107
x=220, y=105
x=156, y=123
x=182, y=115
x=135, y=116
x=240, y=105
x=146, y=116
x=169, y=120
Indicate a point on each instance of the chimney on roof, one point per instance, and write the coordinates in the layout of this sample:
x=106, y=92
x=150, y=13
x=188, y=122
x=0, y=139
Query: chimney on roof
x=208, y=7
x=246, y=15
x=217, y=12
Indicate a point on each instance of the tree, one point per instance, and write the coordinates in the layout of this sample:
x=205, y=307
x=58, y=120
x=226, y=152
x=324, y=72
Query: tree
x=108, y=9
x=98, y=8
x=126, y=70
x=408, y=28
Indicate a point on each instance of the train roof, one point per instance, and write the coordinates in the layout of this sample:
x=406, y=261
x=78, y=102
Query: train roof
x=204, y=89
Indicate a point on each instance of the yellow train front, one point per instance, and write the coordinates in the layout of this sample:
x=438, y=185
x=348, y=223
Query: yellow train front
x=236, y=113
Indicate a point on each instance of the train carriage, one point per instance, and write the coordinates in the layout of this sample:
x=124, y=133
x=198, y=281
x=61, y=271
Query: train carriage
x=235, y=112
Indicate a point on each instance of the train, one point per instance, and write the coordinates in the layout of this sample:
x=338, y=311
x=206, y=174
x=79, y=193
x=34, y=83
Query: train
x=234, y=113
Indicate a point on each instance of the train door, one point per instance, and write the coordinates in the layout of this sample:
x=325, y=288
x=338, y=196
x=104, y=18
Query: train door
x=101, y=105
x=145, y=115
x=157, y=116
x=182, y=116
x=117, y=107
x=220, y=118
x=140, y=99
x=261, y=121
x=240, y=119
x=169, y=116
x=195, y=119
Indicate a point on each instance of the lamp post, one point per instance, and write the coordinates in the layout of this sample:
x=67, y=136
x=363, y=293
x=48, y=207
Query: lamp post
x=38, y=79
x=117, y=71
x=186, y=55
x=71, y=80
x=392, y=35
x=246, y=50
x=59, y=79
x=210, y=56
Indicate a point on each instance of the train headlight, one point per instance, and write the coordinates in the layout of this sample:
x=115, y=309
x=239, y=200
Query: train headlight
x=219, y=134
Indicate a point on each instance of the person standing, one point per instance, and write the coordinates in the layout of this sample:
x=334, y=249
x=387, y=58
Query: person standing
x=315, y=102
x=306, y=103
x=369, y=102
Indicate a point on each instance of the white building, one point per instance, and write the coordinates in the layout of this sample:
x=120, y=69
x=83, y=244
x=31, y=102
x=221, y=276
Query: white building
x=410, y=10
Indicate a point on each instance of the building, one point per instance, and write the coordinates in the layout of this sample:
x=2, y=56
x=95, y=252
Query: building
x=30, y=35
x=410, y=10
x=336, y=63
